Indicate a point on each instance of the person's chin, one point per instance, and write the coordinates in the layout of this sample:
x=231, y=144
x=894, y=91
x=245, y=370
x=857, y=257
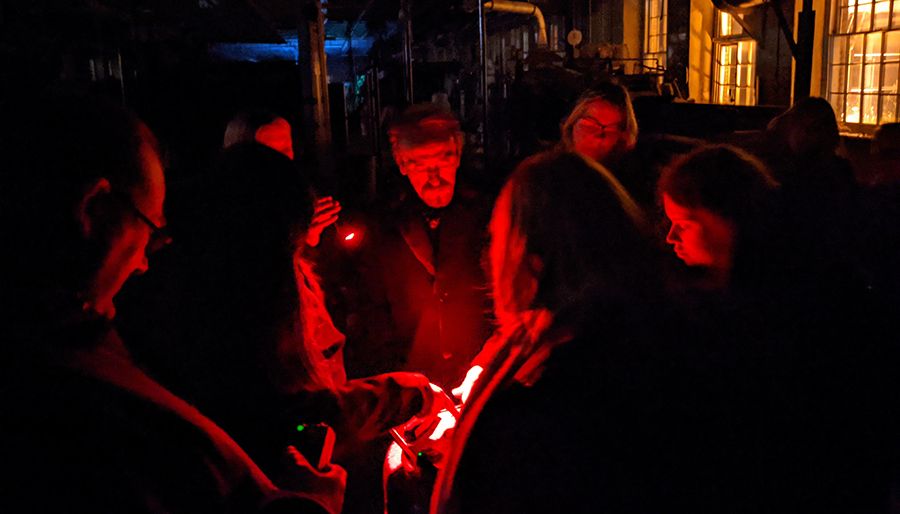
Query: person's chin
x=437, y=201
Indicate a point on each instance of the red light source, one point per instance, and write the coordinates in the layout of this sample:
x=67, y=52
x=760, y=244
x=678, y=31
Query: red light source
x=350, y=235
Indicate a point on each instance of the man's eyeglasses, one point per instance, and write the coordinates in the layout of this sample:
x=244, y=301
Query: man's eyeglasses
x=159, y=236
x=595, y=128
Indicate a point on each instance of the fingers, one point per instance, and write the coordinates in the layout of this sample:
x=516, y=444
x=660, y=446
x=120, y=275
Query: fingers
x=327, y=205
x=325, y=213
x=297, y=457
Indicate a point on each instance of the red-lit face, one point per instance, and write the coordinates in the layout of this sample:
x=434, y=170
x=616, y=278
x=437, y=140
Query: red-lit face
x=600, y=131
x=128, y=239
x=431, y=169
x=277, y=135
x=700, y=237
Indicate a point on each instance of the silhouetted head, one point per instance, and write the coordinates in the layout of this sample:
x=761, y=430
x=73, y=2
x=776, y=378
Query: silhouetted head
x=886, y=141
x=243, y=237
x=82, y=195
x=602, y=125
x=564, y=231
x=809, y=128
x=262, y=126
x=427, y=145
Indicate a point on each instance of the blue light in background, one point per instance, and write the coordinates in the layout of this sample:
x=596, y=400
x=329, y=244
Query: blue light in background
x=264, y=52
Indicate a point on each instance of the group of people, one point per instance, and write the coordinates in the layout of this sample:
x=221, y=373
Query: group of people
x=745, y=366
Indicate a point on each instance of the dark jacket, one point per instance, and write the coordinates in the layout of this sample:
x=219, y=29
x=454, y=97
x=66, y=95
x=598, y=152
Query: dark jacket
x=84, y=430
x=646, y=414
x=417, y=299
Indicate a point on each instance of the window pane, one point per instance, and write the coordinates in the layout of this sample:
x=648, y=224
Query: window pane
x=839, y=49
x=846, y=20
x=882, y=11
x=725, y=75
x=838, y=79
x=855, y=51
x=870, y=109
x=854, y=84
x=873, y=47
x=872, y=75
x=746, y=52
x=889, y=81
x=725, y=55
x=892, y=44
x=863, y=17
x=723, y=96
x=888, y=109
x=853, y=109
x=837, y=102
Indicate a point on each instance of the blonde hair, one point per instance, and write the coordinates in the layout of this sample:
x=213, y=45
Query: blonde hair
x=616, y=96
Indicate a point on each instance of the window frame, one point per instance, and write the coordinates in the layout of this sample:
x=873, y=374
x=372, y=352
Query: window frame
x=876, y=65
x=734, y=40
x=656, y=61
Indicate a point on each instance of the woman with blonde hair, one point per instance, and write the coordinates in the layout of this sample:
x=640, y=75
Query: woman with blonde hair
x=602, y=125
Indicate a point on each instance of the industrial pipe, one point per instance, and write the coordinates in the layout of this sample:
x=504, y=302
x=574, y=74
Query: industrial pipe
x=522, y=8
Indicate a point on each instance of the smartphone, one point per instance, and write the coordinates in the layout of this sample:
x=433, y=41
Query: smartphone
x=315, y=443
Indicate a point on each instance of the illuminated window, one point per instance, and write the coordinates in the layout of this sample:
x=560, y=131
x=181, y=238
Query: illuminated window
x=864, y=57
x=655, y=20
x=734, y=79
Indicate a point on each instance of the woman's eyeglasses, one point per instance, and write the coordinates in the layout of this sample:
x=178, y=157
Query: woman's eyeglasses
x=595, y=128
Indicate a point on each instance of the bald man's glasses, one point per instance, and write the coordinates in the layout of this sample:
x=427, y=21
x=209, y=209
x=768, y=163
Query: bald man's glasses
x=159, y=235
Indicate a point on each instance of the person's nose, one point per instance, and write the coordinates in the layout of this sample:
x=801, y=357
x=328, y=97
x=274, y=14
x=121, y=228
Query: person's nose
x=434, y=176
x=673, y=236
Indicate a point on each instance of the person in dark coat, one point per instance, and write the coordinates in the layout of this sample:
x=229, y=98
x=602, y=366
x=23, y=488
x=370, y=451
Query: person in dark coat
x=557, y=420
x=248, y=334
x=419, y=302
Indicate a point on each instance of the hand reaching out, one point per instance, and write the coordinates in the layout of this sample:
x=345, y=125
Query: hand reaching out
x=325, y=213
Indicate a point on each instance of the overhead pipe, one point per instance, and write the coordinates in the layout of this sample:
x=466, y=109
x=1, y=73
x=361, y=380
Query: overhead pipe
x=482, y=58
x=522, y=8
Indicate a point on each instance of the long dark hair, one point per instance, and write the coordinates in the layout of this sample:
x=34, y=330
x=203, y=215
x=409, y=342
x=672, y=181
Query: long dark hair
x=239, y=238
x=590, y=236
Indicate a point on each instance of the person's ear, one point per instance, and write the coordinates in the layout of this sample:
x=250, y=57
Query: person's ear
x=398, y=158
x=92, y=206
x=459, y=146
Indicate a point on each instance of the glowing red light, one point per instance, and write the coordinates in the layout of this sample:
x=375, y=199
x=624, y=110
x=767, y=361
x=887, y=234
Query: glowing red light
x=349, y=236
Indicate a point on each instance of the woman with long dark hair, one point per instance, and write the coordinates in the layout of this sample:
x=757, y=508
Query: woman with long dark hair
x=547, y=425
x=255, y=346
